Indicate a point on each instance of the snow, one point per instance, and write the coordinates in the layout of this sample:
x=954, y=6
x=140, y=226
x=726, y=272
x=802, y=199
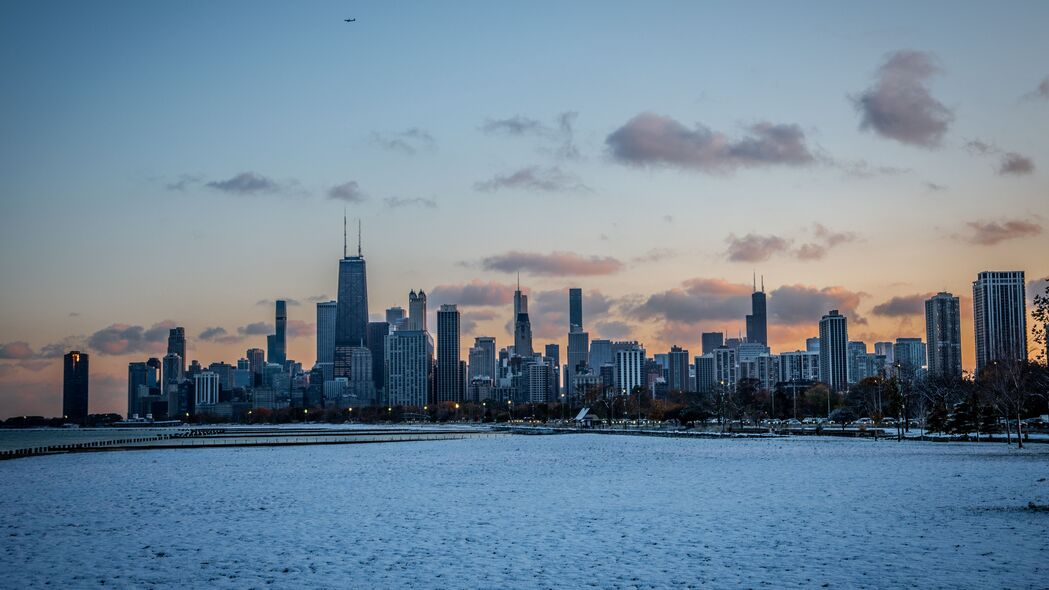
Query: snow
x=577, y=510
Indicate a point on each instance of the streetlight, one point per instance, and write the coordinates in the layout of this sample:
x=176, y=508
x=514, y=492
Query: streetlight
x=562, y=407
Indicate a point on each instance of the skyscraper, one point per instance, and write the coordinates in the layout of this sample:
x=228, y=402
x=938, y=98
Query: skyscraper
x=677, y=371
x=351, y=319
x=326, y=312
x=278, y=344
x=578, y=350
x=834, y=361
x=177, y=345
x=409, y=358
x=712, y=340
x=395, y=316
x=137, y=377
x=522, y=325
x=483, y=358
x=1000, y=314
x=257, y=362
x=757, y=321
x=943, y=335
x=449, y=382
x=74, y=385
x=910, y=358
x=575, y=308
x=417, y=311
x=629, y=363
x=601, y=353
x=377, y=334
x=857, y=356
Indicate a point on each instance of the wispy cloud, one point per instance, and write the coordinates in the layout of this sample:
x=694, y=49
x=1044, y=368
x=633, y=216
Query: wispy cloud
x=655, y=140
x=410, y=141
x=561, y=134
x=989, y=233
x=1009, y=163
x=899, y=105
x=902, y=305
x=348, y=192
x=397, y=202
x=534, y=178
x=565, y=264
x=246, y=183
x=473, y=293
x=754, y=247
x=119, y=339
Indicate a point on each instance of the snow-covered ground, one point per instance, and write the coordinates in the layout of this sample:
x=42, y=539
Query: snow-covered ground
x=532, y=512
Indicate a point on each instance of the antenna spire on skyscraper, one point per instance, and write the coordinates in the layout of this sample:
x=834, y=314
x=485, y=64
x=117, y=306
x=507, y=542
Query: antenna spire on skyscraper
x=359, y=255
x=755, y=287
x=762, y=283
x=344, y=232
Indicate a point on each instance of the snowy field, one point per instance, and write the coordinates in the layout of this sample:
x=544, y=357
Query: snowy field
x=566, y=511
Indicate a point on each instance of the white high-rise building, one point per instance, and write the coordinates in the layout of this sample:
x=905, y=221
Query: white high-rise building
x=799, y=365
x=1000, y=314
x=206, y=390
x=726, y=365
x=630, y=363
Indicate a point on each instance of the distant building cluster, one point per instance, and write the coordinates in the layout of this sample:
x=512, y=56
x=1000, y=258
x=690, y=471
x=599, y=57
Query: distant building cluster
x=396, y=362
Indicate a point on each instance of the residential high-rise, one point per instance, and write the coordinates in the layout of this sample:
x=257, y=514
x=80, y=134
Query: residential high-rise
x=448, y=381
x=726, y=368
x=910, y=358
x=834, y=360
x=677, y=369
x=799, y=366
x=575, y=308
x=857, y=357
x=206, y=389
x=74, y=385
x=351, y=318
x=417, y=311
x=409, y=359
x=1000, y=314
x=326, y=313
x=257, y=362
x=578, y=350
x=757, y=321
x=628, y=372
x=601, y=353
x=705, y=373
x=943, y=335
x=137, y=375
x=377, y=334
x=278, y=344
x=177, y=345
x=712, y=340
x=483, y=358
x=812, y=344
x=885, y=349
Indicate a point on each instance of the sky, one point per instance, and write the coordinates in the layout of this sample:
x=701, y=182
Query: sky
x=189, y=163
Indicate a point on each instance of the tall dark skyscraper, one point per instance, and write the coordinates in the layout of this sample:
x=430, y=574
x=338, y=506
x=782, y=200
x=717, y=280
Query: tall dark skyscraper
x=1000, y=314
x=834, y=359
x=74, y=386
x=712, y=340
x=351, y=317
x=943, y=335
x=278, y=342
x=449, y=378
x=575, y=308
x=757, y=321
x=177, y=345
x=522, y=325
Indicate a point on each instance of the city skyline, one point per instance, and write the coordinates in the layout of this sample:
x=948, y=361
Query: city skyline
x=658, y=176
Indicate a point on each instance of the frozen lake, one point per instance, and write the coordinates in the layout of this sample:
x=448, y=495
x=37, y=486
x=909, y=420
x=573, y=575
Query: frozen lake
x=532, y=511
